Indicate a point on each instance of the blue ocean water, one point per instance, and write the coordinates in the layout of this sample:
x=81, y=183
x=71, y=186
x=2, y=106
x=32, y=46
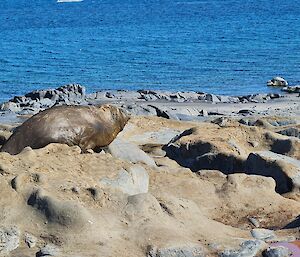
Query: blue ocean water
x=218, y=46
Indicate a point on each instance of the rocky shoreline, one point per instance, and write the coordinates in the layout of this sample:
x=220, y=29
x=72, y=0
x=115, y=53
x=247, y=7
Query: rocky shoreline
x=191, y=175
x=173, y=105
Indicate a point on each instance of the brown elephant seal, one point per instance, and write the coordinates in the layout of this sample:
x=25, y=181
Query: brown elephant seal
x=89, y=127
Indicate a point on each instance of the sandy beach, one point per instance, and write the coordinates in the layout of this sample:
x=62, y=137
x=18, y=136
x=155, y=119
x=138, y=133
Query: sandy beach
x=191, y=174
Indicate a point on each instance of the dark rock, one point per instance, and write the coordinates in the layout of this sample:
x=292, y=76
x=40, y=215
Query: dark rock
x=245, y=112
x=291, y=132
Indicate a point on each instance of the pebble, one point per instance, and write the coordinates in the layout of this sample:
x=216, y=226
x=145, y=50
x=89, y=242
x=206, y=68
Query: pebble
x=30, y=240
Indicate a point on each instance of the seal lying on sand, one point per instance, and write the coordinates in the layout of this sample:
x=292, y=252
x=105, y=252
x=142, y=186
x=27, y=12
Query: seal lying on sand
x=89, y=127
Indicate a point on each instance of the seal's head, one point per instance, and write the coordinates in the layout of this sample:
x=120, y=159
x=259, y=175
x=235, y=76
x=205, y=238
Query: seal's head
x=116, y=115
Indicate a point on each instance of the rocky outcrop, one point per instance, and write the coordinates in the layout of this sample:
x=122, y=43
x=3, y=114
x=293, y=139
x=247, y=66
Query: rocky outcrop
x=219, y=148
x=38, y=100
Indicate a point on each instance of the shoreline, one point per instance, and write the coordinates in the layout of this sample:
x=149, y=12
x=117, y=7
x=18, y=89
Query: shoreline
x=185, y=106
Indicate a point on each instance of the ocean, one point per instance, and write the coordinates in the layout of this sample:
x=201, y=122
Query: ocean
x=229, y=47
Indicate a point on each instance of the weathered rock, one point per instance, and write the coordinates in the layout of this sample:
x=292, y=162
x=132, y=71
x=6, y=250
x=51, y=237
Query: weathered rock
x=184, y=251
x=277, y=251
x=129, y=152
x=9, y=239
x=248, y=249
x=131, y=182
x=283, y=169
x=262, y=234
x=42, y=99
x=277, y=82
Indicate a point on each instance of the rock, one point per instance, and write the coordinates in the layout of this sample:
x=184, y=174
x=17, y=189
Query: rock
x=291, y=89
x=141, y=206
x=184, y=251
x=163, y=113
x=212, y=98
x=248, y=249
x=262, y=234
x=274, y=96
x=277, y=251
x=9, y=239
x=222, y=121
x=283, y=169
x=254, y=222
x=64, y=213
x=277, y=82
x=10, y=106
x=291, y=132
x=30, y=240
x=37, y=100
x=203, y=113
x=131, y=182
x=129, y=152
x=48, y=250
x=245, y=112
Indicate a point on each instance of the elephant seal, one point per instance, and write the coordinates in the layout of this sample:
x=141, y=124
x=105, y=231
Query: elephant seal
x=89, y=127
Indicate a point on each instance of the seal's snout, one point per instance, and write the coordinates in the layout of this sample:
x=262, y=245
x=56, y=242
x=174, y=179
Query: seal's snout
x=124, y=117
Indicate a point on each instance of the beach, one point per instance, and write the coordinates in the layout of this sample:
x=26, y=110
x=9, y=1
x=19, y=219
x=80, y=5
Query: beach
x=191, y=174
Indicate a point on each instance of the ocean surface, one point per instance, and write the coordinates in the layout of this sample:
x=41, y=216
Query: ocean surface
x=218, y=46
